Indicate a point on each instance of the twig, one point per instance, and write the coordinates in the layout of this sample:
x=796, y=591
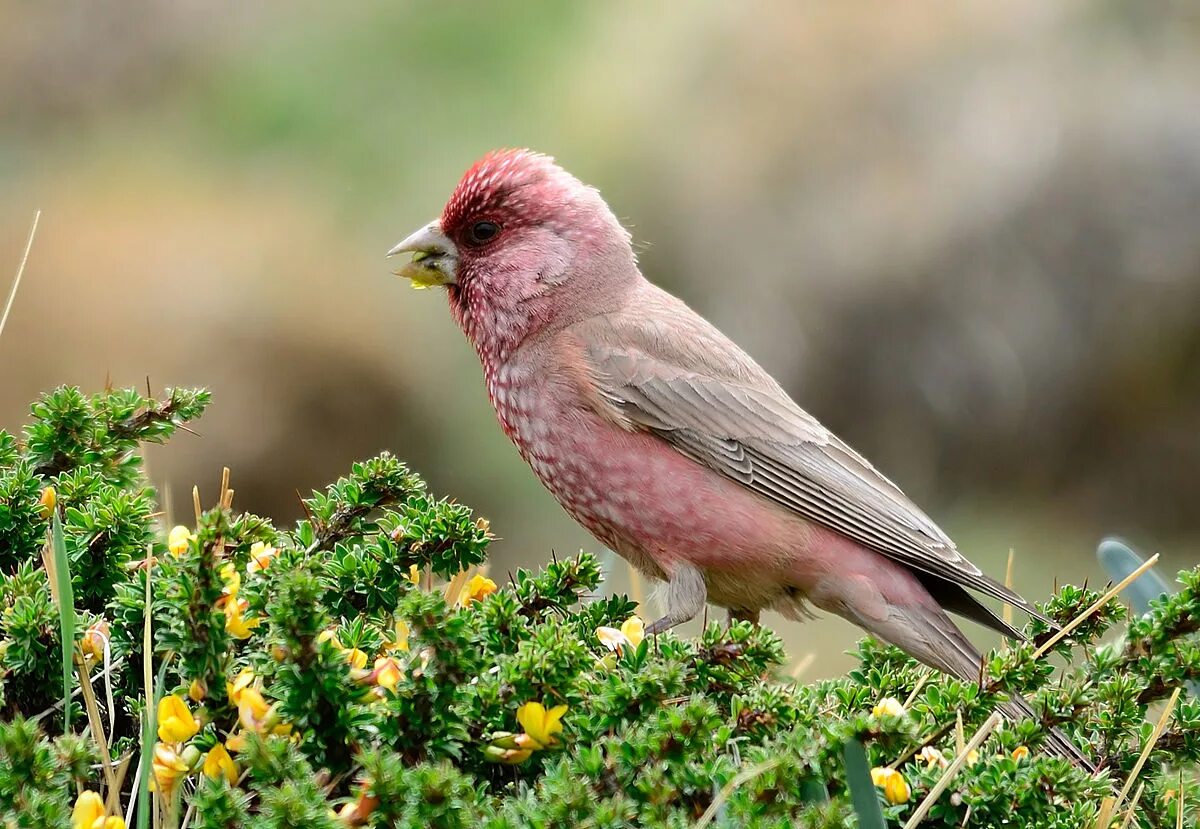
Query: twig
x=12, y=294
x=108, y=669
x=952, y=769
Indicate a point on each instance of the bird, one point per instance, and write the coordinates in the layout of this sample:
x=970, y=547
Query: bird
x=669, y=443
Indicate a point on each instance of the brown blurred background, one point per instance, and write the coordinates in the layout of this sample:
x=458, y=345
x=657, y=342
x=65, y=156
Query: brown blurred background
x=966, y=235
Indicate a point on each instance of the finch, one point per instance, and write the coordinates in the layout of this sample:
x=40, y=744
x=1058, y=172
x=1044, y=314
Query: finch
x=668, y=442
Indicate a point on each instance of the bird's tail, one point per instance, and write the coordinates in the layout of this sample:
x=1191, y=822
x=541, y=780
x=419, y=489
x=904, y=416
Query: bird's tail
x=929, y=635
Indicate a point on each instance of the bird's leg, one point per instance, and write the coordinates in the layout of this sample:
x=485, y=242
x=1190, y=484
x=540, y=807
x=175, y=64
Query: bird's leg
x=741, y=614
x=686, y=594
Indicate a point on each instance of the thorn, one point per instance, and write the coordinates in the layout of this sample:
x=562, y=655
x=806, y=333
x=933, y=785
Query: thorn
x=304, y=506
x=149, y=393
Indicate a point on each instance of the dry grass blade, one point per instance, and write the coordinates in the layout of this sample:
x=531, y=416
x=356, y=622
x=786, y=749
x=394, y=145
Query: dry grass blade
x=1104, y=815
x=1006, y=612
x=58, y=571
x=97, y=726
x=803, y=664
x=12, y=294
x=196, y=503
x=141, y=789
x=1179, y=810
x=953, y=769
x=1133, y=804
x=917, y=688
x=741, y=777
x=454, y=587
x=1099, y=603
x=1159, y=727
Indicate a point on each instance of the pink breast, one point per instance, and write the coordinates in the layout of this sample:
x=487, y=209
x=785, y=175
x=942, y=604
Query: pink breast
x=632, y=489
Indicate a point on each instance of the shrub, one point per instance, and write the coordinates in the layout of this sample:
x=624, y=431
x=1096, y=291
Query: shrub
x=360, y=670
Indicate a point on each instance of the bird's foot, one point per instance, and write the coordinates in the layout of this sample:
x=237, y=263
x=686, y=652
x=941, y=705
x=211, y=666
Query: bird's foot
x=686, y=594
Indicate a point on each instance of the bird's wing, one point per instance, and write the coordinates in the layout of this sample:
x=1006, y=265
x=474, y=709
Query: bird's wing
x=695, y=389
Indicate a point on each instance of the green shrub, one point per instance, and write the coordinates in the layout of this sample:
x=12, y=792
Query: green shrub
x=357, y=669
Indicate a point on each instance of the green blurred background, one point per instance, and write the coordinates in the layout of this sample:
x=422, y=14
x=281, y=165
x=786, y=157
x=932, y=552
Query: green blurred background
x=964, y=234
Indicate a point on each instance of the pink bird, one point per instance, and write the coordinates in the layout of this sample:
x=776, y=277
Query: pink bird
x=669, y=443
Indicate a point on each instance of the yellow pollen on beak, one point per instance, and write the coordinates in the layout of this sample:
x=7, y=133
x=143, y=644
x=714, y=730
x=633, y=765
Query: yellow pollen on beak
x=420, y=275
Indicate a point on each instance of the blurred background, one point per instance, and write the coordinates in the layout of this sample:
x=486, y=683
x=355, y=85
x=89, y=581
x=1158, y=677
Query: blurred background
x=966, y=235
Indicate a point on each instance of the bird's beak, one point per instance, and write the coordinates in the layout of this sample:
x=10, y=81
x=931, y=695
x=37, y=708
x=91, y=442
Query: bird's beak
x=434, y=257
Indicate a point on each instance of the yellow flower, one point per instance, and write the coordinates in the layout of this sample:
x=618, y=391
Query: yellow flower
x=414, y=575
x=233, y=581
x=1020, y=753
x=175, y=721
x=179, y=539
x=611, y=638
x=260, y=556
x=237, y=742
x=634, y=630
x=169, y=766
x=387, y=673
x=329, y=635
x=240, y=683
x=356, y=658
x=477, y=588
x=888, y=707
x=88, y=811
x=47, y=502
x=237, y=625
x=541, y=725
x=197, y=690
x=94, y=639
x=253, y=710
x=972, y=757
x=399, y=639
x=895, y=787
x=932, y=757
x=358, y=812
x=218, y=764
x=511, y=756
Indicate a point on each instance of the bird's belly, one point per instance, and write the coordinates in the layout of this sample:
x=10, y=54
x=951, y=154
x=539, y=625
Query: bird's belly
x=655, y=507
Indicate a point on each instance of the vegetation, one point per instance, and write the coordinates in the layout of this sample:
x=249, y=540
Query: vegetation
x=361, y=669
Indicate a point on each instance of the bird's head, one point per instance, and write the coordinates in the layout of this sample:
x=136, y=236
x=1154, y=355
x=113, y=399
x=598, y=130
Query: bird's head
x=520, y=245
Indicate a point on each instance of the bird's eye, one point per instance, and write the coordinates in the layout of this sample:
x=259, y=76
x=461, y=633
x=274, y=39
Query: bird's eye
x=483, y=232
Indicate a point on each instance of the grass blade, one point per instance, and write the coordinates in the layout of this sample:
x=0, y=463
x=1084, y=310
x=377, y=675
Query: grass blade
x=66, y=611
x=862, y=790
x=1120, y=560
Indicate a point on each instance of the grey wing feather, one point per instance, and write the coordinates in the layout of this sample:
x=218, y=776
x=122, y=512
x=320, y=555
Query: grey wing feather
x=747, y=428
